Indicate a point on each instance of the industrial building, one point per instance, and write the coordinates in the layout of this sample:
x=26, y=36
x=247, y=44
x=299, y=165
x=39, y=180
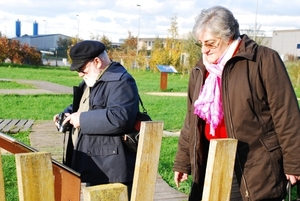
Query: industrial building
x=287, y=42
x=46, y=42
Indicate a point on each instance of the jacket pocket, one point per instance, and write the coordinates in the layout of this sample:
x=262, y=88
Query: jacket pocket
x=270, y=142
x=102, y=151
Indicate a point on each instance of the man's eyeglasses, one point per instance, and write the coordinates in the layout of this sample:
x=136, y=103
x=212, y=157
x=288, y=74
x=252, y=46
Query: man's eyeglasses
x=210, y=44
x=83, y=68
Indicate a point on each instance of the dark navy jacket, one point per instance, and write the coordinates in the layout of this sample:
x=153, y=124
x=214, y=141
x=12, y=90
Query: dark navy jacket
x=99, y=155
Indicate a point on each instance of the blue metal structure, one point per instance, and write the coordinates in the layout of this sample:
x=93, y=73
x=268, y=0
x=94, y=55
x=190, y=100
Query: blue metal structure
x=35, y=28
x=18, y=28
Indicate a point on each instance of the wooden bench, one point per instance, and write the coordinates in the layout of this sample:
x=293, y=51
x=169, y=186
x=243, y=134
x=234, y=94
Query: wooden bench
x=15, y=125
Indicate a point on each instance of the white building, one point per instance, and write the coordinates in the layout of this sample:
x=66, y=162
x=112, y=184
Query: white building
x=287, y=42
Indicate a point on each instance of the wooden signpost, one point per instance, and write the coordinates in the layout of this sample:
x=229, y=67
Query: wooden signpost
x=164, y=70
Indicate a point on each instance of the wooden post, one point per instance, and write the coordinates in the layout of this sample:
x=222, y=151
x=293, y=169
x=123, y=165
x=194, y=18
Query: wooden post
x=163, y=80
x=219, y=170
x=146, y=165
x=35, y=176
x=105, y=192
x=2, y=189
x=63, y=175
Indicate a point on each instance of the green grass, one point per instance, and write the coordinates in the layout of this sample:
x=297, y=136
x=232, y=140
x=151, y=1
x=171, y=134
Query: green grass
x=9, y=169
x=167, y=154
x=36, y=107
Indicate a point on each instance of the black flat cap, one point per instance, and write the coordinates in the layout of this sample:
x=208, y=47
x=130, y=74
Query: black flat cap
x=84, y=51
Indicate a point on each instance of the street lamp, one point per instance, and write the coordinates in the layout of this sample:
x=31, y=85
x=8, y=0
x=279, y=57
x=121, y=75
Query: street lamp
x=45, y=26
x=137, y=42
x=254, y=37
x=78, y=28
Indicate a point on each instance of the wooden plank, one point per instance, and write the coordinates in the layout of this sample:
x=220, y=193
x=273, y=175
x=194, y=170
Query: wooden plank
x=35, y=177
x=4, y=123
x=219, y=170
x=67, y=181
x=27, y=125
x=109, y=192
x=2, y=189
x=10, y=125
x=146, y=165
x=18, y=126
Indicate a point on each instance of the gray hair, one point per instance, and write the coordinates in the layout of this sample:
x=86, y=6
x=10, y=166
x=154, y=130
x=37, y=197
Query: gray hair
x=218, y=21
x=104, y=56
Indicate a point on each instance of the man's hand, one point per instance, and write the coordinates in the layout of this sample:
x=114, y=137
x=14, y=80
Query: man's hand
x=73, y=119
x=55, y=118
x=179, y=177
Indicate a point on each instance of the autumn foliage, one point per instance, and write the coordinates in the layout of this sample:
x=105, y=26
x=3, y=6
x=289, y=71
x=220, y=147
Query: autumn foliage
x=18, y=53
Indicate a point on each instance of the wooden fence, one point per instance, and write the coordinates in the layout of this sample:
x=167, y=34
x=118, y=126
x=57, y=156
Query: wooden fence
x=36, y=181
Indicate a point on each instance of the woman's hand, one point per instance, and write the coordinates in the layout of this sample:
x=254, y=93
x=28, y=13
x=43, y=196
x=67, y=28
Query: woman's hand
x=293, y=178
x=179, y=177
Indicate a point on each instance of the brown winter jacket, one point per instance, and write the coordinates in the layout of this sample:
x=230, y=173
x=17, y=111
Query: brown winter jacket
x=260, y=111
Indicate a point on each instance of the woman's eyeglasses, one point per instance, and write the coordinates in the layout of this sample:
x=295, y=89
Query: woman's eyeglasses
x=210, y=44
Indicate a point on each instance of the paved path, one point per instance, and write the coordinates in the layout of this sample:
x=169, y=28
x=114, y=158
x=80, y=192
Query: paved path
x=44, y=136
x=42, y=87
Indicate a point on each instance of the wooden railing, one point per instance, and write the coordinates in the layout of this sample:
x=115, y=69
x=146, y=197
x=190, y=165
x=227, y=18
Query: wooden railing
x=39, y=180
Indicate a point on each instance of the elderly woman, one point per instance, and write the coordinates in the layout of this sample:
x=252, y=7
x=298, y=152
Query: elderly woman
x=240, y=90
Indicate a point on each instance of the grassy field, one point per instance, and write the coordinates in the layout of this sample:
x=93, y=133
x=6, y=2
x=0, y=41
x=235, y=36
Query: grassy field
x=170, y=110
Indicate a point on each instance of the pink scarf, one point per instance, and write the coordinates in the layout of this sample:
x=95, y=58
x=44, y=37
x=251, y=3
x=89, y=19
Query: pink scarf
x=208, y=106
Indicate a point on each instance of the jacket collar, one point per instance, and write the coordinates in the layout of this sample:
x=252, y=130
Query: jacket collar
x=247, y=48
x=113, y=73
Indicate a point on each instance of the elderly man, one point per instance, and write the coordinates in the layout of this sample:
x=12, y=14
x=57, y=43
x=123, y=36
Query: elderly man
x=104, y=107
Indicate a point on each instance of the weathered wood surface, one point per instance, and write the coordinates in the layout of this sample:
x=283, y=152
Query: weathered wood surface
x=219, y=170
x=15, y=125
x=35, y=176
x=106, y=192
x=63, y=176
x=147, y=159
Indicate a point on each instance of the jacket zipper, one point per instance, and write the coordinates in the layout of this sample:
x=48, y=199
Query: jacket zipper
x=234, y=136
x=196, y=137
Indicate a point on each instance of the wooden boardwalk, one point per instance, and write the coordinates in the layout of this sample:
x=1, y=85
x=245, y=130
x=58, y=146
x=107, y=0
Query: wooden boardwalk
x=15, y=125
x=45, y=137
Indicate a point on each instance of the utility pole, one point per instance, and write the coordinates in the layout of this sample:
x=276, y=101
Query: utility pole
x=45, y=26
x=138, y=35
x=254, y=37
x=77, y=28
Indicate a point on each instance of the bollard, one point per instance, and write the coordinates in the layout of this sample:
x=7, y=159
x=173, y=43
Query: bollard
x=219, y=170
x=105, y=192
x=35, y=176
x=146, y=165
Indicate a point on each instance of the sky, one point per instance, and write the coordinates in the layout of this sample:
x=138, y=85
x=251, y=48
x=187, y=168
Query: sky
x=146, y=18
